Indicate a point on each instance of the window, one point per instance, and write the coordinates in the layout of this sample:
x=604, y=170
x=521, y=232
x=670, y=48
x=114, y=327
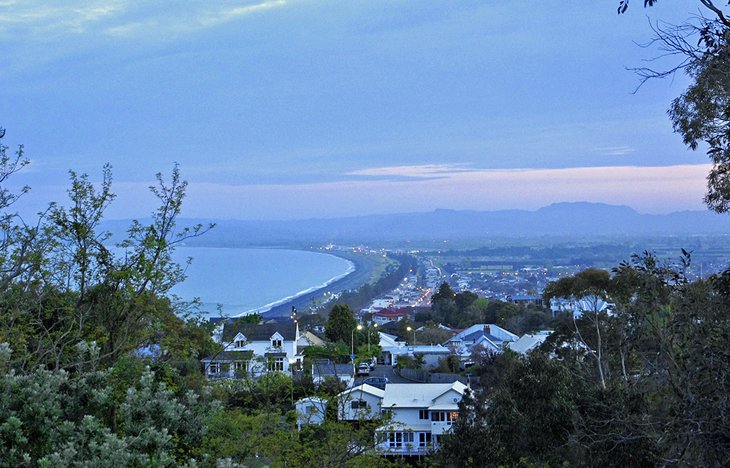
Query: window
x=358, y=404
x=444, y=416
x=423, y=414
x=240, y=343
x=214, y=368
x=395, y=439
x=276, y=365
x=424, y=439
x=276, y=343
x=240, y=366
x=311, y=409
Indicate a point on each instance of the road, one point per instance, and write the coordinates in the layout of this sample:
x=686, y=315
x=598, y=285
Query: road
x=383, y=370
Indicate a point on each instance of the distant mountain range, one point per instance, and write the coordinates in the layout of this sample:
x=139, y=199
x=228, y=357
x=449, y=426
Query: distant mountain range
x=561, y=219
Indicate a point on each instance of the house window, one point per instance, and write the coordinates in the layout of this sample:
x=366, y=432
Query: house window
x=240, y=343
x=276, y=365
x=358, y=404
x=311, y=409
x=444, y=416
x=214, y=368
x=240, y=366
x=423, y=414
x=395, y=439
x=276, y=343
x=424, y=439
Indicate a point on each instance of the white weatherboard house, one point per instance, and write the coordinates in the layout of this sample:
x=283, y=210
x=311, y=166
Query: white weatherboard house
x=487, y=335
x=358, y=403
x=419, y=413
x=254, y=349
x=310, y=411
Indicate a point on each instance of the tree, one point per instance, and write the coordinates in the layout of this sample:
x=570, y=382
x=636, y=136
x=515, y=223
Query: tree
x=702, y=112
x=340, y=324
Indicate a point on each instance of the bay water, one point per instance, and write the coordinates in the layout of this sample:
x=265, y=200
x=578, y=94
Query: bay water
x=233, y=281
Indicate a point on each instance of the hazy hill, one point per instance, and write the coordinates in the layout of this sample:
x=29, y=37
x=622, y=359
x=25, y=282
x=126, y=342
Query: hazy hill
x=560, y=219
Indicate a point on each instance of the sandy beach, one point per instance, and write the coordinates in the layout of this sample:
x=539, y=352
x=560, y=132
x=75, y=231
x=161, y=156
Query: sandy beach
x=364, y=265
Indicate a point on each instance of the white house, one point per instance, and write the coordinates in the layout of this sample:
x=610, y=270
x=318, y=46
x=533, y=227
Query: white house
x=361, y=402
x=431, y=354
x=528, y=342
x=420, y=413
x=487, y=335
x=324, y=368
x=310, y=411
x=254, y=349
x=579, y=306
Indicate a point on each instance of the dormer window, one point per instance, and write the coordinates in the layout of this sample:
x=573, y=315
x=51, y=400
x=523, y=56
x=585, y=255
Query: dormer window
x=239, y=341
x=276, y=343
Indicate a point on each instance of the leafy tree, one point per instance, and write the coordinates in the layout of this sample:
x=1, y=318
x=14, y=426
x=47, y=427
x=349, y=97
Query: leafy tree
x=700, y=114
x=340, y=324
x=660, y=397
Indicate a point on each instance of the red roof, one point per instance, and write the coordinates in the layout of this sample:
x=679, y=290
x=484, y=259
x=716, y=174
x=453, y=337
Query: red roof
x=392, y=313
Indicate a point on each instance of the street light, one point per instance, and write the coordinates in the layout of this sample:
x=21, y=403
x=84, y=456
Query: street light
x=352, y=343
x=414, y=334
x=374, y=326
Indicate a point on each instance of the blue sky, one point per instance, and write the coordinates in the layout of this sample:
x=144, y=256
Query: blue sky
x=298, y=109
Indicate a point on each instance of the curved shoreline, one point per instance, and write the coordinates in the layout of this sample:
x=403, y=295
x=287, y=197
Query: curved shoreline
x=363, y=268
x=264, y=309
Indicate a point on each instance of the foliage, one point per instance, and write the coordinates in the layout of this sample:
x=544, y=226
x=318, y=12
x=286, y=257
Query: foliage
x=654, y=395
x=53, y=417
x=340, y=324
x=700, y=114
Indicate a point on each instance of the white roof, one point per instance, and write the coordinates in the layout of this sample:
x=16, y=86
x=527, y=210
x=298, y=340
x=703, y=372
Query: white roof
x=365, y=388
x=527, y=343
x=417, y=395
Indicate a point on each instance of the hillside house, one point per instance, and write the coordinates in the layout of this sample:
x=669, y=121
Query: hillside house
x=254, y=349
x=487, y=335
x=358, y=403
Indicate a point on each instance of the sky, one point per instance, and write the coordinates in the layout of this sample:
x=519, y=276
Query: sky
x=286, y=109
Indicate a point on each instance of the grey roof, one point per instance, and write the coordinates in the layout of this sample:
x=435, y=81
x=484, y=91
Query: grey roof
x=230, y=356
x=322, y=368
x=258, y=332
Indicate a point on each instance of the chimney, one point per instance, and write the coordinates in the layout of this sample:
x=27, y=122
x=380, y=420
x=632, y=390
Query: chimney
x=487, y=330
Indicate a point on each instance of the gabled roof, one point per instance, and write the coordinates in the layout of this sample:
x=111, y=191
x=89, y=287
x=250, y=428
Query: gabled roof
x=527, y=343
x=258, y=332
x=312, y=339
x=365, y=388
x=417, y=395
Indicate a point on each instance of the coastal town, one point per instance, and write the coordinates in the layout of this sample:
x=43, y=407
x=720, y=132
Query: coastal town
x=408, y=367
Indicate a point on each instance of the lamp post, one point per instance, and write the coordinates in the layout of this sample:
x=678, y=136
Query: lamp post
x=414, y=334
x=374, y=326
x=352, y=343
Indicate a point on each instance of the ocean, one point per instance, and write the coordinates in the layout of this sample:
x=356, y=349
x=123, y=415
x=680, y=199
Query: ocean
x=239, y=281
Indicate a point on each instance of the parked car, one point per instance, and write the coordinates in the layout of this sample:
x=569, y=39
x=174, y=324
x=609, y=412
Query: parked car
x=379, y=382
x=363, y=369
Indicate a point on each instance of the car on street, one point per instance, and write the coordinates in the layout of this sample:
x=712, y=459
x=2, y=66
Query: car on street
x=363, y=369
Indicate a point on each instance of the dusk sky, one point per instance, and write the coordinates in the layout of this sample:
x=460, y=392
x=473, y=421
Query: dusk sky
x=301, y=109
